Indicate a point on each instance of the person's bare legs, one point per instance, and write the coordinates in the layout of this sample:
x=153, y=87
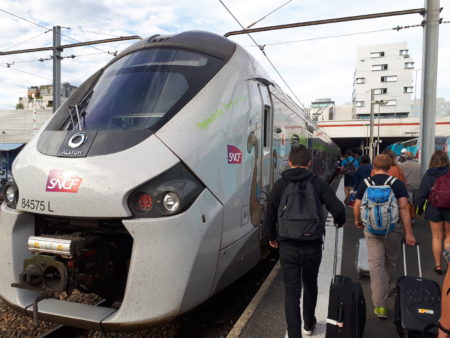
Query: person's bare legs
x=437, y=234
x=347, y=192
x=447, y=234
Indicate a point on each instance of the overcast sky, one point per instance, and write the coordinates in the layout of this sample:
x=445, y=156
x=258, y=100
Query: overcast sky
x=314, y=68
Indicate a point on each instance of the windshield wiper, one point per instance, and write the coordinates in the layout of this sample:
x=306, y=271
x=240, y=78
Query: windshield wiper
x=79, y=110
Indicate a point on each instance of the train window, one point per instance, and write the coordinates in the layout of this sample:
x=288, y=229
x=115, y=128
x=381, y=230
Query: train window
x=142, y=90
x=266, y=126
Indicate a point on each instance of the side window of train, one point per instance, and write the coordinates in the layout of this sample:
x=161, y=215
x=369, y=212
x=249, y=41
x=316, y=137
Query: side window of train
x=267, y=123
x=267, y=165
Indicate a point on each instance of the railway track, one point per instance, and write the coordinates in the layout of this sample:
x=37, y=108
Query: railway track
x=213, y=319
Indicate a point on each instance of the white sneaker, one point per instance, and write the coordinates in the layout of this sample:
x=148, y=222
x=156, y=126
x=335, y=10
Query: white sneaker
x=309, y=331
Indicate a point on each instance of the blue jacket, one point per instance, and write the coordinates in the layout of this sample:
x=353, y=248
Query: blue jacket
x=424, y=191
x=361, y=173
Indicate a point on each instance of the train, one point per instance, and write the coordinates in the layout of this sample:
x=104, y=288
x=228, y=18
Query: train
x=147, y=186
x=441, y=143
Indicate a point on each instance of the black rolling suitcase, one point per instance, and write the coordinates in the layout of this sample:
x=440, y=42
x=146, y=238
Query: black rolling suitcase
x=346, y=305
x=417, y=304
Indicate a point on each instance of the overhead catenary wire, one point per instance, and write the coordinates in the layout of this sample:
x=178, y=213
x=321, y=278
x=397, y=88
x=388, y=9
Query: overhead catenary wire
x=21, y=43
x=101, y=50
x=397, y=28
x=22, y=71
x=19, y=17
x=261, y=48
x=86, y=31
x=36, y=24
x=420, y=11
x=72, y=56
x=265, y=16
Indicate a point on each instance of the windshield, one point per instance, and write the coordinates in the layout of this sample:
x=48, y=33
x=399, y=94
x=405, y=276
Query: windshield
x=142, y=90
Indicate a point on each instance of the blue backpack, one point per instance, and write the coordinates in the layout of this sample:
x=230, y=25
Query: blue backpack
x=379, y=207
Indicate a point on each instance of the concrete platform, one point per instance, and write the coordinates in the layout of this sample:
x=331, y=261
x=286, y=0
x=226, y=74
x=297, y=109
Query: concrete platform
x=264, y=317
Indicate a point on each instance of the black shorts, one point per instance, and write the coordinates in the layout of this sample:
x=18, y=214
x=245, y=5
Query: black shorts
x=444, y=216
x=348, y=181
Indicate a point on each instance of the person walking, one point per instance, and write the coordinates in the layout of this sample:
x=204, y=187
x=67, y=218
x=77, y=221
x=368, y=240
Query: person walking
x=402, y=157
x=395, y=169
x=439, y=218
x=299, y=191
x=363, y=171
x=338, y=167
x=413, y=176
x=349, y=167
x=383, y=244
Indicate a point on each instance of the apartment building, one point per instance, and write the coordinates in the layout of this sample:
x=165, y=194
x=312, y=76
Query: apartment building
x=384, y=77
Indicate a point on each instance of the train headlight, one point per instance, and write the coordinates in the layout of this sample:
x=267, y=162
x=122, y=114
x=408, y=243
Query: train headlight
x=11, y=194
x=170, y=193
x=171, y=202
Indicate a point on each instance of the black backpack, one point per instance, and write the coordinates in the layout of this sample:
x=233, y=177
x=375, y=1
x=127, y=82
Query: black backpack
x=300, y=214
x=349, y=167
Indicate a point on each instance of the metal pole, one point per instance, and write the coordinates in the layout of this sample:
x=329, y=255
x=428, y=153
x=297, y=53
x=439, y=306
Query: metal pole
x=415, y=91
x=366, y=150
x=429, y=81
x=378, y=133
x=56, y=67
x=371, y=127
x=34, y=114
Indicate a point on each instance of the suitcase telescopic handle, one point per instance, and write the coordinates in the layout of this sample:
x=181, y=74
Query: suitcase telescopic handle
x=417, y=245
x=336, y=239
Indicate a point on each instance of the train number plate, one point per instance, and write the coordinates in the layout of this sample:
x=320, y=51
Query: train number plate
x=36, y=205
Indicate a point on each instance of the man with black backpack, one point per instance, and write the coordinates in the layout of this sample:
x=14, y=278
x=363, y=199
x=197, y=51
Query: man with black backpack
x=380, y=200
x=349, y=166
x=295, y=223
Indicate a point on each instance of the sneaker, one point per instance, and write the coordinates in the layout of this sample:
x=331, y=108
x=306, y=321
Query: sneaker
x=309, y=329
x=381, y=312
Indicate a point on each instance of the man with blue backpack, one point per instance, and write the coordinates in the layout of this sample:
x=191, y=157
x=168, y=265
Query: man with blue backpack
x=380, y=201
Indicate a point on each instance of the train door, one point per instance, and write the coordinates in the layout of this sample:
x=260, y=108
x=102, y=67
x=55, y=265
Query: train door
x=256, y=169
x=266, y=151
x=263, y=171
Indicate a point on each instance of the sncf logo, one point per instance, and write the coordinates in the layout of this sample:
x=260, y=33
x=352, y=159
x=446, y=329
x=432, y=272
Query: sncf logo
x=234, y=155
x=61, y=181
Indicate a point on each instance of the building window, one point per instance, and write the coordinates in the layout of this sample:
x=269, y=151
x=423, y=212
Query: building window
x=390, y=78
x=403, y=52
x=380, y=67
x=360, y=80
x=380, y=91
x=407, y=89
x=390, y=103
x=409, y=65
x=360, y=103
x=376, y=54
